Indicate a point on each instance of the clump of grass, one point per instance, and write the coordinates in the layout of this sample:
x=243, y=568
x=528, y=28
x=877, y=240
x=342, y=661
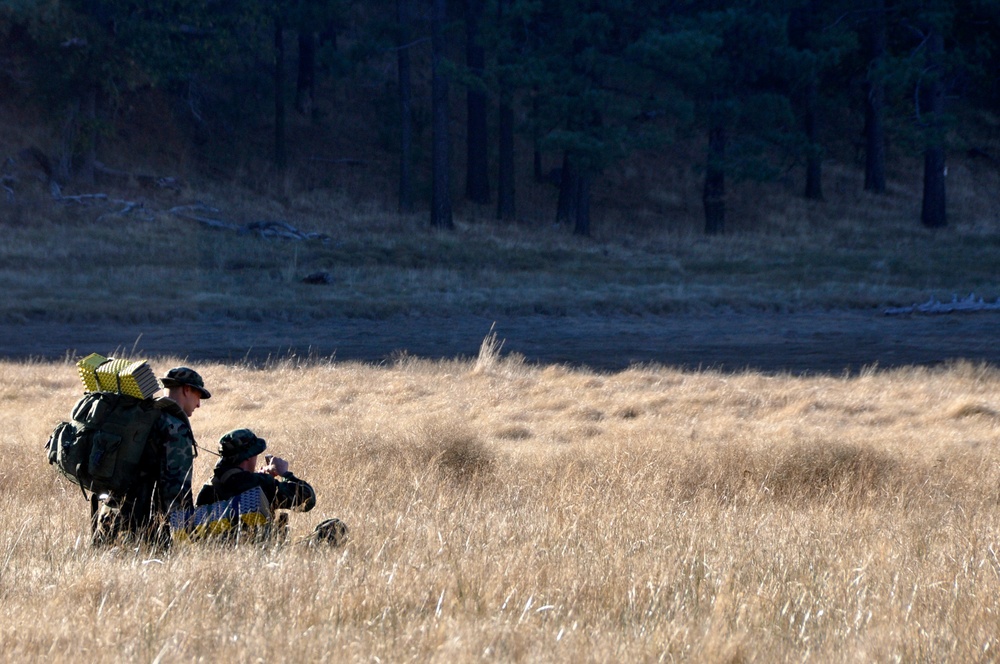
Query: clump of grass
x=464, y=457
x=831, y=468
x=514, y=432
x=963, y=410
x=488, y=358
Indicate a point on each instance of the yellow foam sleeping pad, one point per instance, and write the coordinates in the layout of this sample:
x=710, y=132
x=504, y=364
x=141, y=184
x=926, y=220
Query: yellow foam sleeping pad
x=242, y=518
x=106, y=374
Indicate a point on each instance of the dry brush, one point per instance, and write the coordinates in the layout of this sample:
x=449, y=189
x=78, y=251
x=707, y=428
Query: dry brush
x=510, y=512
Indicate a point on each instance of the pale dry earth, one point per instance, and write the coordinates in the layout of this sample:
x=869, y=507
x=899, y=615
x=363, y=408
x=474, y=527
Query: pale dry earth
x=830, y=342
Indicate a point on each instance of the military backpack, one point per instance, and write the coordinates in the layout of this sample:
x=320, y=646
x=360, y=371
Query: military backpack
x=101, y=447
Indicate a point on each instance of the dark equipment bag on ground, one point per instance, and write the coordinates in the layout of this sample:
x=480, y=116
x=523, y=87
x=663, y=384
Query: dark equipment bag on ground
x=101, y=447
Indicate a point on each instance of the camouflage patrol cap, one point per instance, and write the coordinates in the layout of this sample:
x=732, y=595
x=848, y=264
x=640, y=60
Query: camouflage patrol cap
x=240, y=444
x=180, y=376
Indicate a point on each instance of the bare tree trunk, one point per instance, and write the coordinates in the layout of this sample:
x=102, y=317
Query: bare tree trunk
x=933, y=212
x=89, y=153
x=802, y=28
x=582, y=225
x=506, y=202
x=569, y=192
x=405, y=109
x=305, y=83
x=714, y=193
x=875, y=102
x=67, y=143
x=814, y=149
x=477, y=177
x=441, y=212
x=536, y=157
x=280, y=154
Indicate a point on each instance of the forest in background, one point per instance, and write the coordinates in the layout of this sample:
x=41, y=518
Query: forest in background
x=474, y=103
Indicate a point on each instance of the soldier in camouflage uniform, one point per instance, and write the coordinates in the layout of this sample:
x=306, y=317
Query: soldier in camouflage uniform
x=164, y=481
x=236, y=472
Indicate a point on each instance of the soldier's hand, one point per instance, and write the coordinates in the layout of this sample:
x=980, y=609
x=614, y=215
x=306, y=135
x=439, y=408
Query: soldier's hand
x=275, y=466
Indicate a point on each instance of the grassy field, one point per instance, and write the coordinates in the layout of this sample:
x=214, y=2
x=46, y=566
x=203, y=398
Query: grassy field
x=507, y=512
x=67, y=261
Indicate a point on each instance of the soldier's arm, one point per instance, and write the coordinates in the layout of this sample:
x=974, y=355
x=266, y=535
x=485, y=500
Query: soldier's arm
x=176, y=463
x=291, y=493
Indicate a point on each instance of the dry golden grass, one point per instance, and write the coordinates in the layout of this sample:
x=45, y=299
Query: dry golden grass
x=509, y=512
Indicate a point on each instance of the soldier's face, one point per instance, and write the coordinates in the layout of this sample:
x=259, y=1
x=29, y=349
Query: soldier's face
x=189, y=399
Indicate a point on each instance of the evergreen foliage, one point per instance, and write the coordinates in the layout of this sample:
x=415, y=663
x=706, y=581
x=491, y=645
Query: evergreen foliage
x=764, y=82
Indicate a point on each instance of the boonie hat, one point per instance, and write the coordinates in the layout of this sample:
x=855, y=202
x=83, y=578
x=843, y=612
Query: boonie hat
x=179, y=376
x=240, y=444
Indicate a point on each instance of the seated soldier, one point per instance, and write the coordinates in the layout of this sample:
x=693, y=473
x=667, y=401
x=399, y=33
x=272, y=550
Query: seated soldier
x=236, y=472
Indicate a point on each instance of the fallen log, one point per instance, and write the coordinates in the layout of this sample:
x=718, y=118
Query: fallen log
x=971, y=304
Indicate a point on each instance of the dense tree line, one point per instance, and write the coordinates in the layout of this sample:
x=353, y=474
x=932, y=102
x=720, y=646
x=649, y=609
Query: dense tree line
x=590, y=81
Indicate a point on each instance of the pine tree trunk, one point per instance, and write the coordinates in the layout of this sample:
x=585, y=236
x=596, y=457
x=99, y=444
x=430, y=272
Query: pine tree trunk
x=67, y=143
x=505, y=182
x=569, y=192
x=305, y=83
x=405, y=109
x=477, y=177
x=280, y=155
x=536, y=156
x=814, y=149
x=582, y=225
x=875, y=156
x=714, y=193
x=441, y=212
x=88, y=156
x=802, y=29
x=933, y=212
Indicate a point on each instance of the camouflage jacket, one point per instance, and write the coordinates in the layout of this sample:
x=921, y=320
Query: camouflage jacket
x=172, y=443
x=285, y=492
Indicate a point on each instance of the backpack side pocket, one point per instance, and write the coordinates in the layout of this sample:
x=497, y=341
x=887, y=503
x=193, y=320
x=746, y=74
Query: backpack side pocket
x=103, y=455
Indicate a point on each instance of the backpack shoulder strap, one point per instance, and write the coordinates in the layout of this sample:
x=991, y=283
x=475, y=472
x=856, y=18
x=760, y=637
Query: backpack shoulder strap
x=168, y=405
x=229, y=474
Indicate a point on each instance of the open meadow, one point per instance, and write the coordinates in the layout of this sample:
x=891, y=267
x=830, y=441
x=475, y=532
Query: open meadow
x=503, y=511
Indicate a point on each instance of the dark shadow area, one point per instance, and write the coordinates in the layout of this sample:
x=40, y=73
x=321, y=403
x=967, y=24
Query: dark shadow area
x=833, y=343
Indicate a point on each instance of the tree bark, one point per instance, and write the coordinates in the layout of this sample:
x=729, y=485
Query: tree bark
x=441, y=212
x=305, y=83
x=506, y=202
x=802, y=28
x=569, y=192
x=933, y=212
x=582, y=225
x=477, y=178
x=88, y=155
x=875, y=153
x=67, y=142
x=280, y=155
x=814, y=148
x=714, y=194
x=403, y=10
x=536, y=156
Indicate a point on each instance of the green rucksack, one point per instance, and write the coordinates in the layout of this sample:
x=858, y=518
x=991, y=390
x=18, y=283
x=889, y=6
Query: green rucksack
x=101, y=447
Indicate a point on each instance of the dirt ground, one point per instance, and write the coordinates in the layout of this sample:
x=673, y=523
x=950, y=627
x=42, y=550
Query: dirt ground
x=819, y=342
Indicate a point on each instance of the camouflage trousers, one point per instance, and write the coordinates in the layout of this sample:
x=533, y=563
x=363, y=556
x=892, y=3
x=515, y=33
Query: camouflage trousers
x=122, y=522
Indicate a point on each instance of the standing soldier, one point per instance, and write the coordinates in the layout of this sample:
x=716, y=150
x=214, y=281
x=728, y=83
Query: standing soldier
x=163, y=483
